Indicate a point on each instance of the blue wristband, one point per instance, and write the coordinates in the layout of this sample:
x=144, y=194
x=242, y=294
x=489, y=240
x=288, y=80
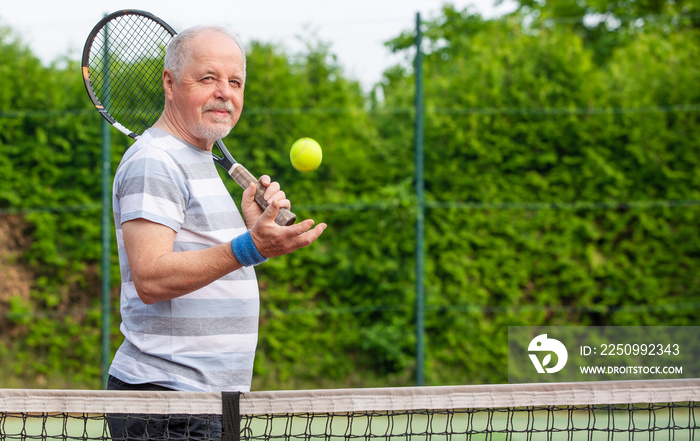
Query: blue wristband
x=245, y=250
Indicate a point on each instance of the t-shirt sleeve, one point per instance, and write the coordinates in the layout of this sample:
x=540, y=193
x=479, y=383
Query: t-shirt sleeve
x=151, y=186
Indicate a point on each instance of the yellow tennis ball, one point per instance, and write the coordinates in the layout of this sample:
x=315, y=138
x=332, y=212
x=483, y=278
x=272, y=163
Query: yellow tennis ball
x=306, y=154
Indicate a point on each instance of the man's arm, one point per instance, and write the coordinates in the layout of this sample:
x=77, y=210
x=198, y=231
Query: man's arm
x=161, y=274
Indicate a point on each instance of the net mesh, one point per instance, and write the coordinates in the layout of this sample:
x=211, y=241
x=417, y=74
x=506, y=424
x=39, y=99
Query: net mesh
x=658, y=410
x=125, y=68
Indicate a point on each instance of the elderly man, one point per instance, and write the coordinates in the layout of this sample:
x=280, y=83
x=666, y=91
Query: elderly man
x=189, y=295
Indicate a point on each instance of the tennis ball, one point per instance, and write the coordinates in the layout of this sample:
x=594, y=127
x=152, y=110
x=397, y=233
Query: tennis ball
x=306, y=154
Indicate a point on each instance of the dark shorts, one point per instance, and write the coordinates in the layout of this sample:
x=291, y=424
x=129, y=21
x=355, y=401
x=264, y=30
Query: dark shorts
x=129, y=426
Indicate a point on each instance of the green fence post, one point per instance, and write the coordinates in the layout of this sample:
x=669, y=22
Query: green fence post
x=420, y=216
x=106, y=223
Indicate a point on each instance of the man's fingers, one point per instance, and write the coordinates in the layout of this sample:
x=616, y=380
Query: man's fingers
x=272, y=189
x=271, y=211
x=250, y=191
x=302, y=234
x=308, y=237
x=273, y=240
x=300, y=227
x=265, y=180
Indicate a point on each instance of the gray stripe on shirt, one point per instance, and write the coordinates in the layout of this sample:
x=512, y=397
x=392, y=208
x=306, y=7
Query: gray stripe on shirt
x=191, y=327
x=217, y=378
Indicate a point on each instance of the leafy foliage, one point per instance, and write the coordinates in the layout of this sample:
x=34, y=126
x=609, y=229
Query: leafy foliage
x=516, y=118
x=48, y=164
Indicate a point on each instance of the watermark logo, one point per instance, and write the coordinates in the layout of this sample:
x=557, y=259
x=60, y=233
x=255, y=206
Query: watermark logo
x=602, y=353
x=543, y=344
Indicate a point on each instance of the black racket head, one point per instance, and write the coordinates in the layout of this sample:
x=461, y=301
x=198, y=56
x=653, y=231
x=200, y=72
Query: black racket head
x=122, y=68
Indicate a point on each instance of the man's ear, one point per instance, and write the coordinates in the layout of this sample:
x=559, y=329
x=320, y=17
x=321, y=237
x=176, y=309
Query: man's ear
x=168, y=83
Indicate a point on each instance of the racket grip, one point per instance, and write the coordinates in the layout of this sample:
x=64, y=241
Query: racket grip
x=244, y=178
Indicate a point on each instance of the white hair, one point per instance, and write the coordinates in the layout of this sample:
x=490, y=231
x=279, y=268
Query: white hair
x=177, y=54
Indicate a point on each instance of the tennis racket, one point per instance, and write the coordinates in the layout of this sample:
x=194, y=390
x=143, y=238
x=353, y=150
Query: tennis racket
x=122, y=70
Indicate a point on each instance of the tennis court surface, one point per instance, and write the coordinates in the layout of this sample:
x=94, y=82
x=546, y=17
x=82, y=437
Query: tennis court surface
x=627, y=410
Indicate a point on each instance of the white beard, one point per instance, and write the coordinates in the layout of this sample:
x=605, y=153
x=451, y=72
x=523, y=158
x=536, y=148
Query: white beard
x=213, y=131
x=219, y=127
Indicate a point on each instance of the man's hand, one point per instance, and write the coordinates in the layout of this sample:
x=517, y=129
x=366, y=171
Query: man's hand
x=251, y=210
x=273, y=240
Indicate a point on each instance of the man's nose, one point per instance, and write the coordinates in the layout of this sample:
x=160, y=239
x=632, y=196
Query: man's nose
x=223, y=90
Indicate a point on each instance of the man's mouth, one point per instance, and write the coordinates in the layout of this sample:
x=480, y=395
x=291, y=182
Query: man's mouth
x=219, y=111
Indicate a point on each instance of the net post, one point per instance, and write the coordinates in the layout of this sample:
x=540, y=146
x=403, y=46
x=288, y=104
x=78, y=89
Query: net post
x=231, y=416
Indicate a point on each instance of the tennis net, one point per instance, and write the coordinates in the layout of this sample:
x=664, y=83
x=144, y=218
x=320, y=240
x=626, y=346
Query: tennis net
x=639, y=410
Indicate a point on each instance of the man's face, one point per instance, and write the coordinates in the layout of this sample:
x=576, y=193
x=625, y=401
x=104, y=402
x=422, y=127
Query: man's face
x=207, y=99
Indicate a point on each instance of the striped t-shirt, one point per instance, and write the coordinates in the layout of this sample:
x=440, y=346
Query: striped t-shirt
x=205, y=340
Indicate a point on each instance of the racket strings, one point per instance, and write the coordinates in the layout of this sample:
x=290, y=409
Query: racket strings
x=126, y=64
